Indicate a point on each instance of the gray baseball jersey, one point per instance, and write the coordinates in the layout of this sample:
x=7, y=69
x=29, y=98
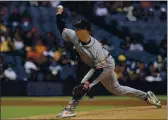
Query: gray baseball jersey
x=94, y=55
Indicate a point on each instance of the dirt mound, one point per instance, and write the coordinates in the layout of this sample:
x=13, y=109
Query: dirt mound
x=143, y=112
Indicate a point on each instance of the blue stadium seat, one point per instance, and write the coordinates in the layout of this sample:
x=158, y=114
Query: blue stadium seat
x=44, y=14
x=22, y=8
x=35, y=13
x=8, y=59
x=154, y=28
x=46, y=27
x=67, y=70
x=11, y=8
x=37, y=26
x=5, y=16
x=52, y=13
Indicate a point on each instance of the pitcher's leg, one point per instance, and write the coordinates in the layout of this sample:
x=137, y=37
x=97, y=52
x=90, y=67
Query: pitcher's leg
x=90, y=80
x=112, y=85
x=77, y=93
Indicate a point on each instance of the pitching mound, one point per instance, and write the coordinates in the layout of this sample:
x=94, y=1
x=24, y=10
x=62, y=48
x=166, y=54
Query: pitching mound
x=145, y=112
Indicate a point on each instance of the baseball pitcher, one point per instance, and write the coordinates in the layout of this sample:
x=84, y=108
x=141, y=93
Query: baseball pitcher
x=102, y=69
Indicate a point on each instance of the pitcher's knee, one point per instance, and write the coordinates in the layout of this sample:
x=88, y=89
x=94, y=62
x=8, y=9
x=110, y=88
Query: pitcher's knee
x=116, y=90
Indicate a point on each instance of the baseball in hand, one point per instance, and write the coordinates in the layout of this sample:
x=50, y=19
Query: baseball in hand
x=60, y=9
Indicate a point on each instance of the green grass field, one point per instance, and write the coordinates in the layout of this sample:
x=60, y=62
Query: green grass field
x=24, y=111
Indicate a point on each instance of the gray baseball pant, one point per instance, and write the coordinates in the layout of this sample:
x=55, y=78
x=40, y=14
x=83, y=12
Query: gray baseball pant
x=110, y=82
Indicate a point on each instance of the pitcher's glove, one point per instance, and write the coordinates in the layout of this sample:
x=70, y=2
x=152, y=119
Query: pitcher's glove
x=79, y=91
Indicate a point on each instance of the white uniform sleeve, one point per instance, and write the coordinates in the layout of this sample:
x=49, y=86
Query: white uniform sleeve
x=88, y=75
x=68, y=35
x=100, y=61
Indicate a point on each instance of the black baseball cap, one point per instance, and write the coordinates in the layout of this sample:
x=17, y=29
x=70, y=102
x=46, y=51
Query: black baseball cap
x=83, y=24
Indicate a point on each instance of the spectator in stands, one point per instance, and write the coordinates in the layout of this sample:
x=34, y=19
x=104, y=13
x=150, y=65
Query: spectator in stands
x=129, y=12
x=152, y=70
x=36, y=52
x=137, y=12
x=153, y=74
x=39, y=49
x=157, y=6
x=28, y=38
x=56, y=56
x=163, y=47
x=131, y=70
x=65, y=60
x=150, y=12
x=6, y=44
x=163, y=14
x=2, y=68
x=18, y=42
x=158, y=64
x=30, y=52
x=121, y=68
x=6, y=39
x=140, y=71
x=18, y=30
x=101, y=10
x=115, y=6
x=26, y=20
x=163, y=72
x=9, y=32
x=126, y=44
x=106, y=45
x=9, y=73
x=54, y=67
x=14, y=18
x=2, y=28
x=72, y=53
x=145, y=4
x=51, y=41
x=30, y=66
x=108, y=5
x=35, y=32
x=4, y=14
x=31, y=69
x=145, y=7
x=135, y=46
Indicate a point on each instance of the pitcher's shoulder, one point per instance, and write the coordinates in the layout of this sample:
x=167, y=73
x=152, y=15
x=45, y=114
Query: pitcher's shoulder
x=69, y=35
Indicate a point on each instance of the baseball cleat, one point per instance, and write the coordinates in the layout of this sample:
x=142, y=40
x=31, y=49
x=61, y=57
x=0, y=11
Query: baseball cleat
x=68, y=113
x=152, y=99
x=59, y=114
